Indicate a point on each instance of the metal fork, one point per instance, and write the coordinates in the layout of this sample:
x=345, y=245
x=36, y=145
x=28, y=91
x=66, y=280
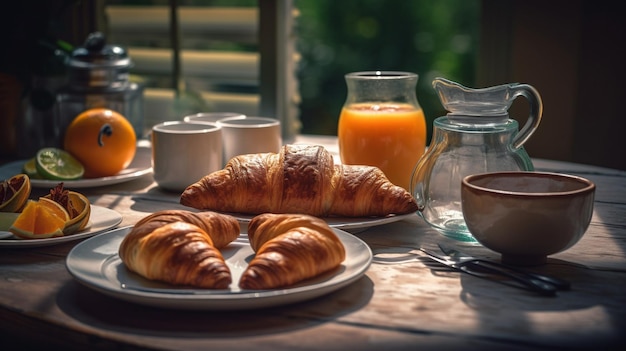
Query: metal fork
x=469, y=266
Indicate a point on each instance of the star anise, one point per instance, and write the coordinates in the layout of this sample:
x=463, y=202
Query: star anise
x=61, y=196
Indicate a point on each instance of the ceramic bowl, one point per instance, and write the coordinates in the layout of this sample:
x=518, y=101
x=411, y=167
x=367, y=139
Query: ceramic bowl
x=527, y=216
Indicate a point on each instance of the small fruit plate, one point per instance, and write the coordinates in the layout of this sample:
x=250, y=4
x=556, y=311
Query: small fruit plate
x=140, y=166
x=101, y=220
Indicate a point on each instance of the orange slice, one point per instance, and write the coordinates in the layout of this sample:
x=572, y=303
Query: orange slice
x=55, y=208
x=39, y=220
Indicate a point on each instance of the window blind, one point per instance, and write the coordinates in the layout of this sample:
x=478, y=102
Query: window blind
x=236, y=59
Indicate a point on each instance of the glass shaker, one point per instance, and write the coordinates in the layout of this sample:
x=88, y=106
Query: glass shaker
x=98, y=76
x=382, y=124
x=476, y=136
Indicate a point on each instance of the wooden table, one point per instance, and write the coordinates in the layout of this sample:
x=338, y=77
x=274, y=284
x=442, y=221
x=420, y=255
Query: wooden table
x=398, y=304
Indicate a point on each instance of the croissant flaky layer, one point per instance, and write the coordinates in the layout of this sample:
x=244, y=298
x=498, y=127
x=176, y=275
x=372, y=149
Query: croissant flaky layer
x=178, y=247
x=289, y=248
x=222, y=229
x=299, y=179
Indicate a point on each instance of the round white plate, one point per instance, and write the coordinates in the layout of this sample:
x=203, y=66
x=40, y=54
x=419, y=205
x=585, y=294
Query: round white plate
x=96, y=264
x=350, y=224
x=140, y=166
x=101, y=219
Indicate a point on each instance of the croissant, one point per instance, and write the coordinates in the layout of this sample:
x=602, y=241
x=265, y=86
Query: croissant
x=299, y=179
x=289, y=248
x=222, y=229
x=181, y=248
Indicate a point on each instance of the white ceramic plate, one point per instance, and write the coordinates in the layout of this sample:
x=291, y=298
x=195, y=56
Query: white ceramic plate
x=140, y=166
x=101, y=219
x=350, y=224
x=96, y=264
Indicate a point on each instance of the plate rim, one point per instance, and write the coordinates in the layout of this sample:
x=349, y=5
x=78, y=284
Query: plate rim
x=95, y=278
x=92, y=182
x=342, y=223
x=115, y=220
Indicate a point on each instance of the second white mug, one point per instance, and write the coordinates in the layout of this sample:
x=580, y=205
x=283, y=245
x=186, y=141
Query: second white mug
x=211, y=117
x=183, y=153
x=250, y=135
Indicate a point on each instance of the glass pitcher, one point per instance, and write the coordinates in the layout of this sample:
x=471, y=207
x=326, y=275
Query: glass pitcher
x=476, y=136
x=382, y=124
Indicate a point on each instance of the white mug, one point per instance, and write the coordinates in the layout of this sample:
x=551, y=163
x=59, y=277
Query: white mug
x=211, y=117
x=250, y=135
x=183, y=153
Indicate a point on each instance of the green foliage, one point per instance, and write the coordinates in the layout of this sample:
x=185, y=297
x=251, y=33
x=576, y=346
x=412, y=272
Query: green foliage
x=429, y=37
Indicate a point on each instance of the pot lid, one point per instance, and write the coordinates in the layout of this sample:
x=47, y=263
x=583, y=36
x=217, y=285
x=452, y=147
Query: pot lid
x=95, y=53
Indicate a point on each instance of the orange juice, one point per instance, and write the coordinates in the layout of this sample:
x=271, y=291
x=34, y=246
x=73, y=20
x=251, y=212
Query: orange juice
x=389, y=136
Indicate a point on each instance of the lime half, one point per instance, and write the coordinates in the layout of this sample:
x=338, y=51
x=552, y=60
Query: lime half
x=57, y=164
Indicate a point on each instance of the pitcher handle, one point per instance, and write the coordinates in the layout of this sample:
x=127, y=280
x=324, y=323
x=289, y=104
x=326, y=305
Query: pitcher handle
x=536, y=112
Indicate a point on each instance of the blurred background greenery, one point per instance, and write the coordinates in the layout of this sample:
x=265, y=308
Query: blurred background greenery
x=428, y=37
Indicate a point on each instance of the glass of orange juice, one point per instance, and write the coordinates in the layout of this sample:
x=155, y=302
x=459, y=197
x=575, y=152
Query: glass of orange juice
x=382, y=124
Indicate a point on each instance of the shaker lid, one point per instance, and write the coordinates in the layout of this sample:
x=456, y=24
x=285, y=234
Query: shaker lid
x=95, y=53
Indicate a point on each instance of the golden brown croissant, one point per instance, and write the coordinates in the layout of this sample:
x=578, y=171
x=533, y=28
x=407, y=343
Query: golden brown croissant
x=222, y=229
x=299, y=179
x=289, y=248
x=179, y=247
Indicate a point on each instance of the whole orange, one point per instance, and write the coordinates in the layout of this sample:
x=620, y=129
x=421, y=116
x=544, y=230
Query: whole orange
x=102, y=140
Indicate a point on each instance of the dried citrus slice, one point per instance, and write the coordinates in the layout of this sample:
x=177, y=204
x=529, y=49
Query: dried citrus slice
x=79, y=211
x=83, y=206
x=38, y=221
x=57, y=164
x=14, y=193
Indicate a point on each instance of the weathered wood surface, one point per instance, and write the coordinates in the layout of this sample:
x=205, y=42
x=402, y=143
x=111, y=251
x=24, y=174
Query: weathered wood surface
x=403, y=302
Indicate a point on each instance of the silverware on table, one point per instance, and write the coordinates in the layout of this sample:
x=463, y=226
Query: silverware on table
x=486, y=269
x=560, y=284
